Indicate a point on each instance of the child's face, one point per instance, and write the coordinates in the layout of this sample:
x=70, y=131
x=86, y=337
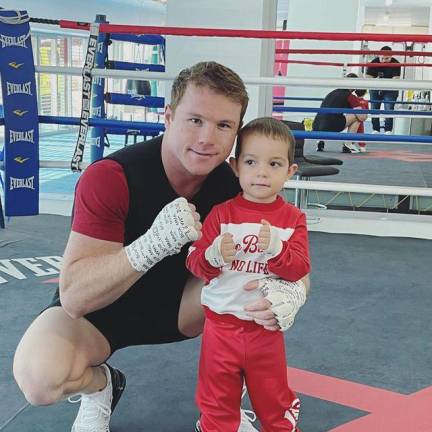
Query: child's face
x=262, y=167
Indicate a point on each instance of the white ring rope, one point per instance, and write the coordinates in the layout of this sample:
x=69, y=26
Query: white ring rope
x=347, y=83
x=358, y=188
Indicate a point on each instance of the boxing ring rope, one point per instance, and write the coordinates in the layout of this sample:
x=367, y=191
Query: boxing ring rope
x=350, y=52
x=255, y=34
x=347, y=83
x=339, y=64
x=314, y=99
x=373, y=112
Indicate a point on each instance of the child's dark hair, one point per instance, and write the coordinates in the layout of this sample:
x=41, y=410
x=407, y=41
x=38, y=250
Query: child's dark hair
x=270, y=128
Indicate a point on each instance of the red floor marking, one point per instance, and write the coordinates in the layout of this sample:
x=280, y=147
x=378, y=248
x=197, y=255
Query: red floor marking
x=54, y=280
x=389, y=411
x=401, y=155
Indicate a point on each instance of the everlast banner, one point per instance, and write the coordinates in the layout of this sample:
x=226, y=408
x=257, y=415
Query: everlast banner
x=21, y=149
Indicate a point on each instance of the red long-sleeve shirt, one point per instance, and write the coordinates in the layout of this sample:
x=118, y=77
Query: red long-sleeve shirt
x=224, y=291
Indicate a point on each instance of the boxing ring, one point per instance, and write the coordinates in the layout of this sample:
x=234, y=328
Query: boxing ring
x=359, y=353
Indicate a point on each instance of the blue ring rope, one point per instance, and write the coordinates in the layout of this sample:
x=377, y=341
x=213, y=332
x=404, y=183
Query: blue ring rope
x=75, y=121
x=321, y=99
x=334, y=136
x=350, y=111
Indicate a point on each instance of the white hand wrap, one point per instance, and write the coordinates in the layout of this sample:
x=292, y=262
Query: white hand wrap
x=286, y=299
x=213, y=253
x=173, y=227
x=275, y=245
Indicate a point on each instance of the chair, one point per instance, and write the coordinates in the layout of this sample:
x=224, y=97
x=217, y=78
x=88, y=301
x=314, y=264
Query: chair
x=313, y=159
x=307, y=169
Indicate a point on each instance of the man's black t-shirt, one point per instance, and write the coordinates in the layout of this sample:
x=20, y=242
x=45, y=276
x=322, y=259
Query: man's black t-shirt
x=384, y=72
x=337, y=99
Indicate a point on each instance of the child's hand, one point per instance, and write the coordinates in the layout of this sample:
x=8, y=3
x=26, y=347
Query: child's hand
x=268, y=239
x=221, y=251
x=227, y=248
x=264, y=235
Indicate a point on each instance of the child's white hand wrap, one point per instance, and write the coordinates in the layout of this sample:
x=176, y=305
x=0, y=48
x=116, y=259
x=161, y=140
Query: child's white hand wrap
x=173, y=227
x=286, y=299
x=275, y=246
x=213, y=253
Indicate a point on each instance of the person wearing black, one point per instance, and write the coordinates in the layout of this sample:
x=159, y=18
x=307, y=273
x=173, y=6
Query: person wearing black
x=337, y=122
x=388, y=97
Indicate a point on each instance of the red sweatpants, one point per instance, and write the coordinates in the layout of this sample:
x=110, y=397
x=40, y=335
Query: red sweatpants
x=234, y=350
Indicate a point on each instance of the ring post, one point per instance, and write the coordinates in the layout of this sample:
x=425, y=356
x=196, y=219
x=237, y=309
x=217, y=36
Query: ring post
x=98, y=91
x=21, y=143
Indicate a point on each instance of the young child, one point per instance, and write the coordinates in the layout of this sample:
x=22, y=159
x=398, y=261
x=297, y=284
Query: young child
x=252, y=236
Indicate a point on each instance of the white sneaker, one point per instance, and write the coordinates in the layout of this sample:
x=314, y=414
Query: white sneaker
x=388, y=132
x=352, y=147
x=96, y=408
x=247, y=417
x=363, y=149
x=375, y=132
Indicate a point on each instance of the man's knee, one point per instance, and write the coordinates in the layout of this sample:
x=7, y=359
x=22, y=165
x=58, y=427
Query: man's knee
x=54, y=352
x=35, y=381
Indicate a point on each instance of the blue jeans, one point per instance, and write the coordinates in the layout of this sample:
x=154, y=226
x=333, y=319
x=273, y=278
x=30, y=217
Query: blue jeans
x=388, y=97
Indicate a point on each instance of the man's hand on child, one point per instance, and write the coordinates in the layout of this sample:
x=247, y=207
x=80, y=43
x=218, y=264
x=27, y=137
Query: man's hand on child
x=260, y=310
x=282, y=300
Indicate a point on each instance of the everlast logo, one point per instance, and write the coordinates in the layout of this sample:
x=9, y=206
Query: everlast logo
x=20, y=159
x=88, y=66
x=23, y=88
x=19, y=112
x=27, y=136
x=15, y=65
x=19, y=41
x=22, y=183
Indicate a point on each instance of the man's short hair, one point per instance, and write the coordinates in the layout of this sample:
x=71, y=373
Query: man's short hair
x=386, y=48
x=269, y=128
x=218, y=78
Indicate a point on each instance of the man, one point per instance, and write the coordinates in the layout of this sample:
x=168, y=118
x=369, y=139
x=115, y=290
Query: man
x=337, y=122
x=123, y=280
x=387, y=96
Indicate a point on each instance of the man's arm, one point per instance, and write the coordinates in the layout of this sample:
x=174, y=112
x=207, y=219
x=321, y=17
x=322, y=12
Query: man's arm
x=94, y=274
x=90, y=280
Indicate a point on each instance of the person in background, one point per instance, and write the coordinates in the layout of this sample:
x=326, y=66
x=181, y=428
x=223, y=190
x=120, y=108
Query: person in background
x=252, y=236
x=360, y=101
x=388, y=97
x=337, y=122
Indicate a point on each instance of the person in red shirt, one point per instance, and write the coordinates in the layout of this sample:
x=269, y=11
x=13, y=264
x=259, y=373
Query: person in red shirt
x=251, y=236
x=337, y=122
x=358, y=101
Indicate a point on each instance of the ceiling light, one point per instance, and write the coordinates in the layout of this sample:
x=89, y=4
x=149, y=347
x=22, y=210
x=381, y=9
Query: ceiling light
x=388, y=2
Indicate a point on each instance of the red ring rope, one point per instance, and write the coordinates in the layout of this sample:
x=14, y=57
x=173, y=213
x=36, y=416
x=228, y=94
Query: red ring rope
x=258, y=34
x=351, y=52
x=372, y=65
